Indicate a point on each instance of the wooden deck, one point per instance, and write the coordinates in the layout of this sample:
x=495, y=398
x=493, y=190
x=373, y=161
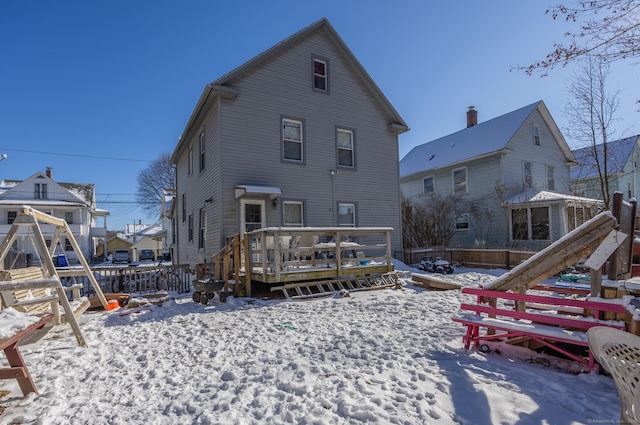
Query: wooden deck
x=278, y=255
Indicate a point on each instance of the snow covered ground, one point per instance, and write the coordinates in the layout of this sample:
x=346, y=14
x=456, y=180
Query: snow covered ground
x=376, y=357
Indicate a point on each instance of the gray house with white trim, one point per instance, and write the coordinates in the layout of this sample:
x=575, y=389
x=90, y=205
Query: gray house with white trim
x=514, y=168
x=298, y=136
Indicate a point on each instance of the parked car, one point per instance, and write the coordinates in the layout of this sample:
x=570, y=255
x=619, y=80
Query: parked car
x=121, y=256
x=147, y=254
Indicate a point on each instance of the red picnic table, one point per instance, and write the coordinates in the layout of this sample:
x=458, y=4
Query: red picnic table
x=18, y=368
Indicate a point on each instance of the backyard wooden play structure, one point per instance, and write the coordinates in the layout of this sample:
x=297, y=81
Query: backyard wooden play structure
x=39, y=289
x=299, y=262
x=516, y=308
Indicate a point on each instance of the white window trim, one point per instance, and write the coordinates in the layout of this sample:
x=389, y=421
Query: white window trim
x=466, y=180
x=524, y=174
x=529, y=224
x=353, y=148
x=537, y=135
x=284, y=215
x=201, y=146
x=325, y=76
x=350, y=204
x=301, y=141
x=433, y=183
x=466, y=229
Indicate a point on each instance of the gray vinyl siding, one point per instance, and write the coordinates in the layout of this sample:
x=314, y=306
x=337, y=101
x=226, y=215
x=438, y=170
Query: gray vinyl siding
x=249, y=129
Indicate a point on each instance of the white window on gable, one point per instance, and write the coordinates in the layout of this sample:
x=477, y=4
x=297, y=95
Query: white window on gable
x=40, y=191
x=292, y=140
x=460, y=186
x=527, y=171
x=320, y=75
x=293, y=216
x=537, y=136
x=462, y=222
x=347, y=215
x=428, y=185
x=346, y=157
x=551, y=182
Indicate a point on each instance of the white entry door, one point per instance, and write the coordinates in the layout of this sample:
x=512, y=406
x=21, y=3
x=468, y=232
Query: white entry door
x=252, y=215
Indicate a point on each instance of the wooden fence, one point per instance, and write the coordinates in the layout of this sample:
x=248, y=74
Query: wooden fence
x=481, y=258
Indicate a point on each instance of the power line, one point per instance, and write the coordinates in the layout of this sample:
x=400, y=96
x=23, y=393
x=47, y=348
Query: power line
x=76, y=155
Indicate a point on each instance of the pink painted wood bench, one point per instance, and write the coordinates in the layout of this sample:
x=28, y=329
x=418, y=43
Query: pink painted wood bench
x=546, y=319
x=18, y=368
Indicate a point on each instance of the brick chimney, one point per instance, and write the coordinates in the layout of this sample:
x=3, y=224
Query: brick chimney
x=49, y=172
x=472, y=117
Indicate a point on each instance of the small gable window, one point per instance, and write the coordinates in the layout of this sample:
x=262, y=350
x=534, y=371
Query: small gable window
x=40, y=191
x=536, y=135
x=320, y=75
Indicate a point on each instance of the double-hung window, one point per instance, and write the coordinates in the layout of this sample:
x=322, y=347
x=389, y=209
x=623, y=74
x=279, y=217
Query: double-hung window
x=201, y=229
x=320, y=75
x=190, y=160
x=428, y=185
x=347, y=215
x=292, y=143
x=537, y=136
x=40, y=191
x=551, y=182
x=184, y=207
x=11, y=216
x=293, y=214
x=462, y=222
x=346, y=157
x=527, y=170
x=460, y=181
x=201, y=143
x=190, y=227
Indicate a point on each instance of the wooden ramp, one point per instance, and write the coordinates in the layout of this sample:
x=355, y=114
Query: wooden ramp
x=565, y=252
x=433, y=282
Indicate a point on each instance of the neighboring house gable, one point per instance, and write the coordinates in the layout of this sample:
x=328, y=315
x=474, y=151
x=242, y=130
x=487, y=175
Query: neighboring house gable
x=72, y=202
x=621, y=165
x=485, y=165
x=299, y=135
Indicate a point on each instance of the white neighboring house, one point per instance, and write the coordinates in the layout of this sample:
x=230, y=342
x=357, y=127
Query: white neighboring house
x=73, y=202
x=168, y=232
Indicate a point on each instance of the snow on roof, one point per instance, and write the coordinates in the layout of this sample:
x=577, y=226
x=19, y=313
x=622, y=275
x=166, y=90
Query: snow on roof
x=536, y=195
x=618, y=153
x=481, y=139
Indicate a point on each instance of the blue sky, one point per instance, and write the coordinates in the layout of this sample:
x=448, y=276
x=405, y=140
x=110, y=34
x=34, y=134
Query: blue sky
x=95, y=90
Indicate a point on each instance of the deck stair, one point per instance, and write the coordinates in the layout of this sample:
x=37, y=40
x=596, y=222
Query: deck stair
x=323, y=288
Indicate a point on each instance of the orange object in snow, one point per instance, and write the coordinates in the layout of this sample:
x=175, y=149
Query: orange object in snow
x=112, y=305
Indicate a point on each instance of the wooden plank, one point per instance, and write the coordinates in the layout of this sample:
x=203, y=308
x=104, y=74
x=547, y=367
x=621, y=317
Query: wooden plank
x=433, y=282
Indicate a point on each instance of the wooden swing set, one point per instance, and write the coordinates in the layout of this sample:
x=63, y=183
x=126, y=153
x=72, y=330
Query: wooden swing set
x=39, y=289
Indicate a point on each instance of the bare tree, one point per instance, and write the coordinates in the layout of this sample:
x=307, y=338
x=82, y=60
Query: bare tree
x=429, y=220
x=607, y=29
x=152, y=181
x=482, y=221
x=590, y=111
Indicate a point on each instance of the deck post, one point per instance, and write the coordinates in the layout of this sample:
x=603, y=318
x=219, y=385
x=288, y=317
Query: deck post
x=276, y=255
x=388, y=253
x=248, y=267
x=338, y=254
